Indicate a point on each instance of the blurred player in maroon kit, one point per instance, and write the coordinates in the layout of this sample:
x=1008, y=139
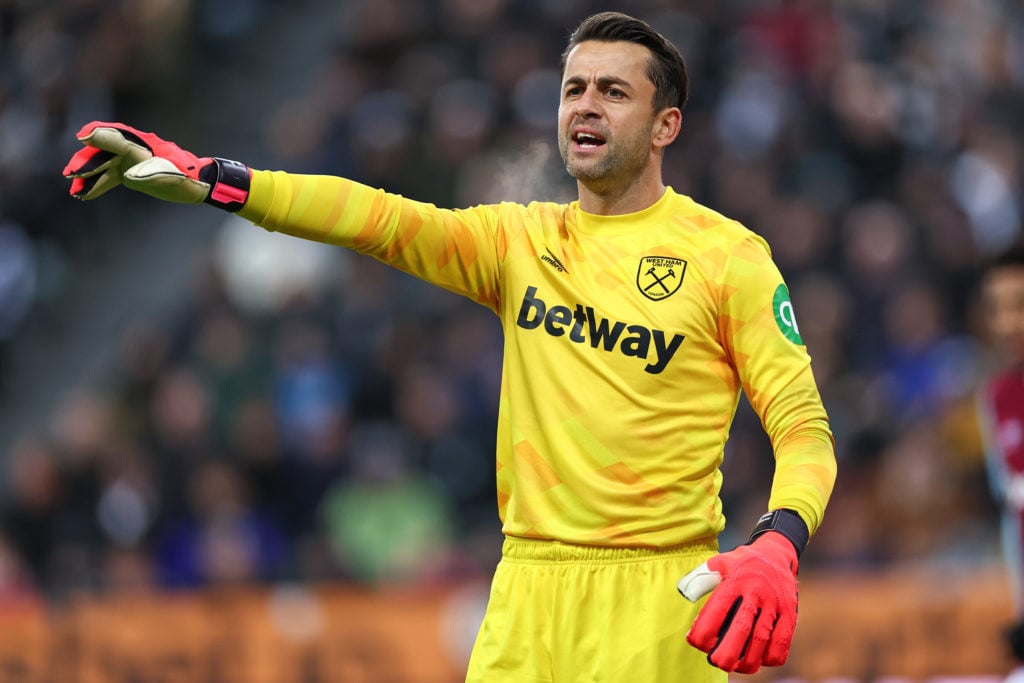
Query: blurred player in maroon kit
x=1001, y=406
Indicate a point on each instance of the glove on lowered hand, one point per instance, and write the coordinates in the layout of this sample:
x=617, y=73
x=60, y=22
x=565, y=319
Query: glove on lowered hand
x=117, y=154
x=749, y=619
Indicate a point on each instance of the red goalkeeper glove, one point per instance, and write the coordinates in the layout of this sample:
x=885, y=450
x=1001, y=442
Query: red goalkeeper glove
x=117, y=154
x=750, y=617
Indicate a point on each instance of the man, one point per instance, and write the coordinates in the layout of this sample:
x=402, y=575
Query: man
x=1001, y=405
x=633, y=318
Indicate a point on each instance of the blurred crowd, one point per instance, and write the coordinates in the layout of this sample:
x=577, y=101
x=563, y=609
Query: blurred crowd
x=338, y=423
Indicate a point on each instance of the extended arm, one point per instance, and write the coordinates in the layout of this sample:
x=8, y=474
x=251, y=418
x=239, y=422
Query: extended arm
x=457, y=250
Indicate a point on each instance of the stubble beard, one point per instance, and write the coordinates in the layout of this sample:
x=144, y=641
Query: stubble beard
x=621, y=162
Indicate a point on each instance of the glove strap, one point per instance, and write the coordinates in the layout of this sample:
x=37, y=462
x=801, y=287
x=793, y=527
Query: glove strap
x=786, y=522
x=229, y=183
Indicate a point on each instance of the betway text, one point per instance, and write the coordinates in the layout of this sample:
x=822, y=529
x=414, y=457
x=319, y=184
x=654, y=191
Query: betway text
x=583, y=325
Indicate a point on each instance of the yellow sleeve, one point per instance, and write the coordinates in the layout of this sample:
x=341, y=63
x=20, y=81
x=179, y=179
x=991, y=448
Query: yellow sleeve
x=459, y=250
x=775, y=371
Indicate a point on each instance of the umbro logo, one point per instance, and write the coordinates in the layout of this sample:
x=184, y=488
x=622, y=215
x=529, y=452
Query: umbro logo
x=551, y=259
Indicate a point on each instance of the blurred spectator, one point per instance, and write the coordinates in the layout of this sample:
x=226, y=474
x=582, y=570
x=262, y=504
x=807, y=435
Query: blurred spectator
x=17, y=278
x=222, y=539
x=387, y=523
x=31, y=513
x=874, y=145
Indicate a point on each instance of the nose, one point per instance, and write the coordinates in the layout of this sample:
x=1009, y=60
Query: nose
x=587, y=104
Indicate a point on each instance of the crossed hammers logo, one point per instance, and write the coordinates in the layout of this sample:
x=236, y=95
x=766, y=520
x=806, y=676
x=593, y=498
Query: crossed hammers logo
x=659, y=277
x=660, y=280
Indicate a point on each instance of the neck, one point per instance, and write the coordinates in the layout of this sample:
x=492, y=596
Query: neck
x=614, y=200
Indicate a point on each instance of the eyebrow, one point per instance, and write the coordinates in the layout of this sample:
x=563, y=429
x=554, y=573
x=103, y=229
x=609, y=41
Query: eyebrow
x=602, y=81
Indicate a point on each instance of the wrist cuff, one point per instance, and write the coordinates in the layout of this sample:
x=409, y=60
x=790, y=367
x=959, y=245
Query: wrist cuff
x=229, y=183
x=787, y=523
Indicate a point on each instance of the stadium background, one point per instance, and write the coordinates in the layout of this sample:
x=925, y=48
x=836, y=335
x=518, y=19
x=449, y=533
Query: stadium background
x=227, y=455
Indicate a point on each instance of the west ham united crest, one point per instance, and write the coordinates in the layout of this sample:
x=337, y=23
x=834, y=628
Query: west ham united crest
x=659, y=277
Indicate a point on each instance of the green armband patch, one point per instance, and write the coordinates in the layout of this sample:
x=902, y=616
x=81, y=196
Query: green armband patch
x=785, y=318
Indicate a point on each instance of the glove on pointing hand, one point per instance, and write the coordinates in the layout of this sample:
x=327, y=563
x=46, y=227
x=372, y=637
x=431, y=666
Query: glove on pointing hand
x=117, y=154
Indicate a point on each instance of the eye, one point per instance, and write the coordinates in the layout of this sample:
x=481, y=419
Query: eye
x=615, y=93
x=573, y=91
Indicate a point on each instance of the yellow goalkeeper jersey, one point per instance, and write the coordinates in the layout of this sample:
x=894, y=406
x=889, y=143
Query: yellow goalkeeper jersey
x=628, y=340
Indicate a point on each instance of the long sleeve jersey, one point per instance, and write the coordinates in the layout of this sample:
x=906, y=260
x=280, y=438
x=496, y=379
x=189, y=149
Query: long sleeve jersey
x=627, y=342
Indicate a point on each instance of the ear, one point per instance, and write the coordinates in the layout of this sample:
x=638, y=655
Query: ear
x=666, y=127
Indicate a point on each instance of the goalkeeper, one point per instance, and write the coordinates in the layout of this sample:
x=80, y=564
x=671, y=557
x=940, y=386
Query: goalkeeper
x=633, y=318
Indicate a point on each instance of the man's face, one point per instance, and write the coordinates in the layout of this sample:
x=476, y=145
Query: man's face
x=1003, y=296
x=606, y=114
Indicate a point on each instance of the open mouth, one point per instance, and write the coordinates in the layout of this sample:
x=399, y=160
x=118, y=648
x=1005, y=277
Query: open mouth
x=588, y=140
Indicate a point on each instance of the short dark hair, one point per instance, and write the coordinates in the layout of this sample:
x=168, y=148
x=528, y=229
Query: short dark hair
x=666, y=69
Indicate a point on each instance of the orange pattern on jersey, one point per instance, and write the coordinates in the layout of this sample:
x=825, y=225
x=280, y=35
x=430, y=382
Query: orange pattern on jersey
x=615, y=406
